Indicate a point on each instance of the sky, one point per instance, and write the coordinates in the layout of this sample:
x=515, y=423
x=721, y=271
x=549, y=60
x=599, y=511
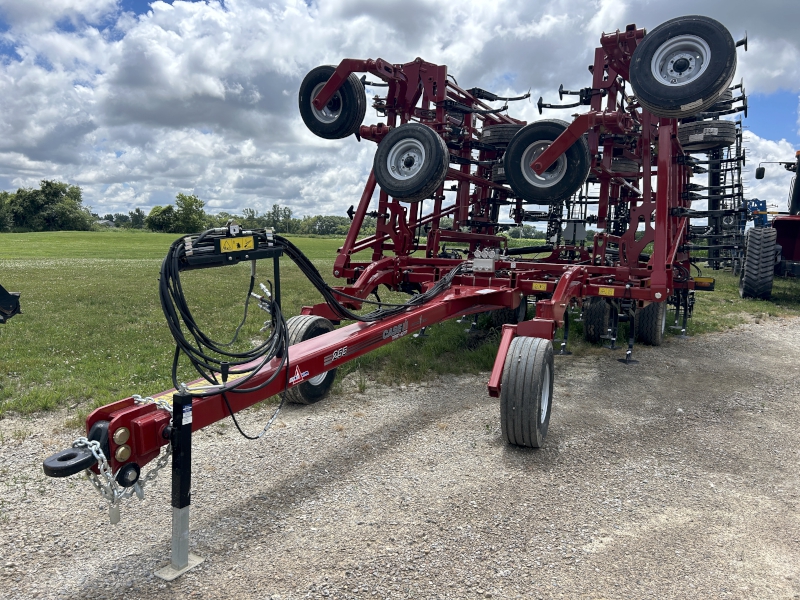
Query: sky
x=138, y=100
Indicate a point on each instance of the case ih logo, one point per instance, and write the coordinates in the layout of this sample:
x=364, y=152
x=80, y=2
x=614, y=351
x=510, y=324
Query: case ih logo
x=298, y=375
x=397, y=331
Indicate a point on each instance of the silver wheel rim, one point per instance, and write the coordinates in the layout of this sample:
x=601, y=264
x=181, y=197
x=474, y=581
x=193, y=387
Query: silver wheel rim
x=318, y=379
x=663, y=319
x=545, y=402
x=331, y=111
x=680, y=60
x=406, y=158
x=552, y=175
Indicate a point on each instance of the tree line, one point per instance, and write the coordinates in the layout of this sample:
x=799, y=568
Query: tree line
x=57, y=206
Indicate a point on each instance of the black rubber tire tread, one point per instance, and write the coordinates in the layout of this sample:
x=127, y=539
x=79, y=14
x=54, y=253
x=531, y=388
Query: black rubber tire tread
x=499, y=135
x=724, y=102
x=577, y=156
x=696, y=96
x=521, y=391
x=702, y=136
x=426, y=181
x=758, y=268
x=650, y=323
x=624, y=165
x=510, y=316
x=596, y=313
x=299, y=329
x=354, y=104
x=499, y=173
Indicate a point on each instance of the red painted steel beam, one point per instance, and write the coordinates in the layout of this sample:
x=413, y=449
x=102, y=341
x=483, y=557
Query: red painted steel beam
x=305, y=360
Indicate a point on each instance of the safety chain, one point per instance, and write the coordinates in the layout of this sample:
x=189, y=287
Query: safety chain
x=106, y=484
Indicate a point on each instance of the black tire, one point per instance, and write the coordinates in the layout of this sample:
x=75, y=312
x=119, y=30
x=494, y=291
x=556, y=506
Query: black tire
x=702, y=136
x=758, y=267
x=498, y=173
x=651, y=322
x=561, y=180
x=510, y=316
x=499, y=135
x=526, y=393
x=624, y=165
x=299, y=329
x=411, y=162
x=596, y=313
x=683, y=66
x=345, y=111
x=724, y=102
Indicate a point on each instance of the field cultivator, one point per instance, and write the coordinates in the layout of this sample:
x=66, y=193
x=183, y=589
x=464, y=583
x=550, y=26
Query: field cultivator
x=448, y=164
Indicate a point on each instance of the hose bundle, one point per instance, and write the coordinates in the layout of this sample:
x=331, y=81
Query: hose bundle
x=214, y=361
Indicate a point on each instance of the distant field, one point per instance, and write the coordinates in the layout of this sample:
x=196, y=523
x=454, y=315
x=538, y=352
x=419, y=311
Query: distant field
x=93, y=331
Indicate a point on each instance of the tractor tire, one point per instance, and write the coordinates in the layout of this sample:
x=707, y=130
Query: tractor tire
x=499, y=135
x=683, y=66
x=526, y=393
x=651, y=322
x=345, y=111
x=300, y=329
x=510, y=316
x=561, y=180
x=596, y=313
x=411, y=162
x=758, y=267
x=702, y=136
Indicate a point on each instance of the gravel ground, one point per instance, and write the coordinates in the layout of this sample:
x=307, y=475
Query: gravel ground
x=674, y=478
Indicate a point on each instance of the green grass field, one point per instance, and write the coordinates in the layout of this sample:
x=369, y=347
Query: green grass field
x=93, y=332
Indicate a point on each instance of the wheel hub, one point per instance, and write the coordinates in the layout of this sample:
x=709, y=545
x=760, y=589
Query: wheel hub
x=332, y=109
x=406, y=158
x=552, y=175
x=680, y=60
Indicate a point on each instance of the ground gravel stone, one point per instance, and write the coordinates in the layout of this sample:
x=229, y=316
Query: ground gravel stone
x=673, y=478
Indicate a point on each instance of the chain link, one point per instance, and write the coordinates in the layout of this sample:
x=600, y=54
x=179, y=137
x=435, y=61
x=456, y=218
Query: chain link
x=105, y=483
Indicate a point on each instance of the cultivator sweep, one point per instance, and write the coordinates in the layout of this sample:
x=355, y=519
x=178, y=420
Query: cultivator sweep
x=450, y=164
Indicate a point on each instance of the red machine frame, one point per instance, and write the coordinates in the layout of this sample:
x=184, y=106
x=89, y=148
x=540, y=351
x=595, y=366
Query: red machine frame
x=422, y=92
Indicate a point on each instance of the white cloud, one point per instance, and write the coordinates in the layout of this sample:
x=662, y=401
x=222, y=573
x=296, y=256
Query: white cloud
x=201, y=96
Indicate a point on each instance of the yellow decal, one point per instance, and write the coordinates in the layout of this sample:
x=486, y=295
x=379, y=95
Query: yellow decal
x=542, y=287
x=606, y=291
x=236, y=244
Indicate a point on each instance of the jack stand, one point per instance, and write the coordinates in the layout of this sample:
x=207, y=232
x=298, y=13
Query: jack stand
x=564, y=351
x=613, y=330
x=628, y=360
x=181, y=559
x=421, y=333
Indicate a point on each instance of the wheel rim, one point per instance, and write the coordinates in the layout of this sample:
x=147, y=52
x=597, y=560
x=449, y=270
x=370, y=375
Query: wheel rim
x=663, y=318
x=318, y=379
x=552, y=175
x=545, y=402
x=331, y=111
x=680, y=60
x=406, y=158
